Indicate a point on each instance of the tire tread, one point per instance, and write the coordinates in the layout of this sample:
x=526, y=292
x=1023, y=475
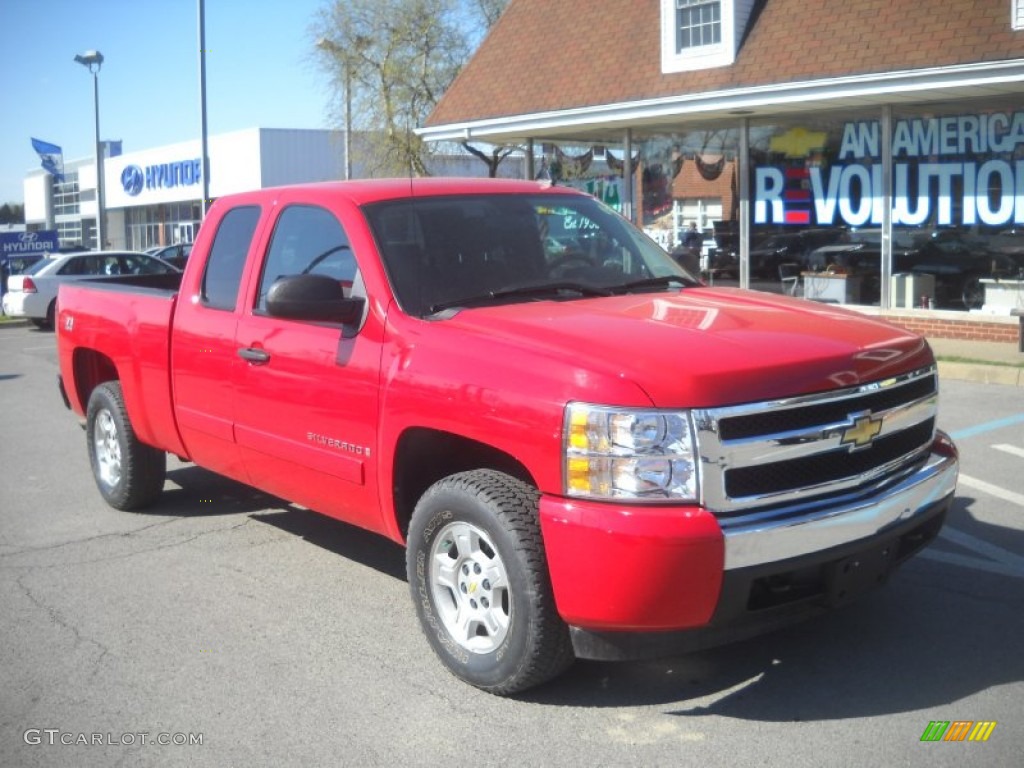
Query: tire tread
x=144, y=467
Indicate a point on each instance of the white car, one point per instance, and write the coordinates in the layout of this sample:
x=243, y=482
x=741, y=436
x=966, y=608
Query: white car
x=33, y=294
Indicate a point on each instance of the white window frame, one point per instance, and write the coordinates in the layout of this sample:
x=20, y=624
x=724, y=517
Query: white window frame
x=1017, y=14
x=720, y=54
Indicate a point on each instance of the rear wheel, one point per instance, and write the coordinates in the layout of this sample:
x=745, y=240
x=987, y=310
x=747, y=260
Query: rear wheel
x=51, y=314
x=129, y=474
x=479, y=581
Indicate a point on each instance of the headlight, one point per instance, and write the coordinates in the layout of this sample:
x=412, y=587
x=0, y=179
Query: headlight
x=618, y=453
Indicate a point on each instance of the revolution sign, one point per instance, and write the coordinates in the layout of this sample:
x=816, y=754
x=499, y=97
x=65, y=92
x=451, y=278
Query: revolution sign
x=947, y=171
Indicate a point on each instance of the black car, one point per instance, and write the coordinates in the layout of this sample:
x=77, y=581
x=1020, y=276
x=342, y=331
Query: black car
x=175, y=255
x=766, y=256
x=958, y=263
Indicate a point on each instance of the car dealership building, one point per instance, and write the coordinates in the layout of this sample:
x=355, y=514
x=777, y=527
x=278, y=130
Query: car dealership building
x=154, y=196
x=890, y=132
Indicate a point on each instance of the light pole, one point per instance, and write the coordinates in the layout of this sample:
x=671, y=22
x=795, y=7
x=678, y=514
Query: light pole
x=92, y=60
x=332, y=47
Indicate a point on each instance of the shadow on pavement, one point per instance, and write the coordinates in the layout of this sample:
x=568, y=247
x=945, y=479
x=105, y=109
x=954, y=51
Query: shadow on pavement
x=935, y=634
x=348, y=541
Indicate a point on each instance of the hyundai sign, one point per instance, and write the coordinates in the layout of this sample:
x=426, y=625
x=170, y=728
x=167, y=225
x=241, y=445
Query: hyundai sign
x=17, y=243
x=181, y=173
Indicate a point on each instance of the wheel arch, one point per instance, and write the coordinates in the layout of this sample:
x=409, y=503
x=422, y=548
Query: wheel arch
x=91, y=368
x=424, y=455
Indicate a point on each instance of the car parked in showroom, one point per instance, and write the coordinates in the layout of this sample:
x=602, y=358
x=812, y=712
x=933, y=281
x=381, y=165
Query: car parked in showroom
x=33, y=294
x=957, y=260
x=767, y=255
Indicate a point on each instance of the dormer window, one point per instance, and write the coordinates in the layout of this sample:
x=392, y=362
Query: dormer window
x=698, y=23
x=697, y=34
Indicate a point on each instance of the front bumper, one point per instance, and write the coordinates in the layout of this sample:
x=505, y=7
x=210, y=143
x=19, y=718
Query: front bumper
x=627, y=579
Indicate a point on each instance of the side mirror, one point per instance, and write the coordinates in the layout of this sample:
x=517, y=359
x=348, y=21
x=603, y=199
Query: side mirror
x=315, y=298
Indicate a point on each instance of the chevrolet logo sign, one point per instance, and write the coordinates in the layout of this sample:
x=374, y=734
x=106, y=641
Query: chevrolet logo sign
x=865, y=428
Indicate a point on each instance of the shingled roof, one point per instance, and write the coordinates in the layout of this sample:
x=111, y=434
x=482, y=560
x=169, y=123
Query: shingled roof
x=557, y=55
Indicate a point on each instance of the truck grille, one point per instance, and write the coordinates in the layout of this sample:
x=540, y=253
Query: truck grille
x=786, y=455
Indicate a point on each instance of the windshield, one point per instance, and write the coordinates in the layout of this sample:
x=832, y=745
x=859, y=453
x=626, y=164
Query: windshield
x=451, y=251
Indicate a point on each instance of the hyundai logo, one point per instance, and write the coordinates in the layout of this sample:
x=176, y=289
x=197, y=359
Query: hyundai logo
x=132, y=179
x=28, y=237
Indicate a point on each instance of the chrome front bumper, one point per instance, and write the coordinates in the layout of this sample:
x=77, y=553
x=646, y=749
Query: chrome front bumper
x=777, y=538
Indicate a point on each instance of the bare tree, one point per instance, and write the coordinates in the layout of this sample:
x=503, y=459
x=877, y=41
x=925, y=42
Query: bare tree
x=493, y=155
x=490, y=10
x=395, y=59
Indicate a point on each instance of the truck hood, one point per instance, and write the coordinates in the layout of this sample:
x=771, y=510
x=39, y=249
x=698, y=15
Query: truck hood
x=703, y=346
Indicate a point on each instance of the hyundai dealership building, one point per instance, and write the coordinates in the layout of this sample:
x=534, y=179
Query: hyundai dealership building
x=154, y=196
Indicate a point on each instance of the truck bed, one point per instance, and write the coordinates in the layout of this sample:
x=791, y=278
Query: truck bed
x=123, y=323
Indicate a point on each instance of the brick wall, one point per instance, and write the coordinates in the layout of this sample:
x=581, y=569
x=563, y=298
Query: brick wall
x=956, y=325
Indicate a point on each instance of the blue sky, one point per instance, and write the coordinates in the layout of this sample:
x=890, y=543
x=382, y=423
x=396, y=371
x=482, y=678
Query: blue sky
x=260, y=71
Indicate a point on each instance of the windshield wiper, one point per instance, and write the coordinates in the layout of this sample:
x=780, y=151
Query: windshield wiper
x=532, y=290
x=652, y=282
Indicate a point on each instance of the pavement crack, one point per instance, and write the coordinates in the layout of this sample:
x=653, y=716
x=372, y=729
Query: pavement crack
x=57, y=618
x=89, y=539
x=120, y=555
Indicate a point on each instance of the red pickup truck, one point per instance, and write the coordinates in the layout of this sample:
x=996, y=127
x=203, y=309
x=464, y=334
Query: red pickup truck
x=586, y=452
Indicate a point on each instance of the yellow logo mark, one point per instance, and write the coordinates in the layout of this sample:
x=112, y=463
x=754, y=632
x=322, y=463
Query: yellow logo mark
x=472, y=587
x=864, y=430
x=798, y=142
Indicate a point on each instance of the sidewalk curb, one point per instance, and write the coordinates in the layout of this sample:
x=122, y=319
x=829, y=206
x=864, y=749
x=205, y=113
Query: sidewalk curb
x=982, y=374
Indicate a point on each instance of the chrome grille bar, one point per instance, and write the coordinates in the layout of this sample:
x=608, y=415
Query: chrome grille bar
x=831, y=429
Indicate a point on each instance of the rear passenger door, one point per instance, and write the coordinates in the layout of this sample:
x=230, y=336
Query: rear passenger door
x=307, y=396
x=204, y=356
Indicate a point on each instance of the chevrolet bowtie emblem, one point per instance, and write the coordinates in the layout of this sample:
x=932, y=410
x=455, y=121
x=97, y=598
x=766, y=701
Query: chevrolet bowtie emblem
x=865, y=429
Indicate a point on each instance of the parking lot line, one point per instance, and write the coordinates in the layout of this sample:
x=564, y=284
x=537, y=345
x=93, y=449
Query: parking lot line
x=992, y=490
x=978, y=429
x=1011, y=449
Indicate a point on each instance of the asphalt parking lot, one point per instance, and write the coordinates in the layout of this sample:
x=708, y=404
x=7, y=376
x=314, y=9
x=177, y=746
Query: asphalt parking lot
x=274, y=636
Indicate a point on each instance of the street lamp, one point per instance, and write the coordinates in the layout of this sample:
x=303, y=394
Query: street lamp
x=92, y=60
x=332, y=47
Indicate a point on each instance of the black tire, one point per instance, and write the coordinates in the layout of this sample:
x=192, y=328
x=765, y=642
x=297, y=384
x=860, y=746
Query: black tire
x=51, y=315
x=973, y=293
x=129, y=474
x=508, y=636
x=40, y=324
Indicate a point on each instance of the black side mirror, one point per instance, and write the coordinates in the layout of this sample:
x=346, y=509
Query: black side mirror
x=315, y=298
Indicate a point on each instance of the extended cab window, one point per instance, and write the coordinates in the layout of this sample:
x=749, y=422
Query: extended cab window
x=227, y=257
x=307, y=241
x=82, y=265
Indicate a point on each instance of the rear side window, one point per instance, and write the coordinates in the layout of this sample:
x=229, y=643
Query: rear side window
x=307, y=241
x=85, y=265
x=223, y=274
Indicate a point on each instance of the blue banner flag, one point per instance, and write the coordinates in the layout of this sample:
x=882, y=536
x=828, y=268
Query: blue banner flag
x=52, y=157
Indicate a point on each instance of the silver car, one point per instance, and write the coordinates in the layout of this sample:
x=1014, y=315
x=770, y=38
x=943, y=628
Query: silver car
x=33, y=294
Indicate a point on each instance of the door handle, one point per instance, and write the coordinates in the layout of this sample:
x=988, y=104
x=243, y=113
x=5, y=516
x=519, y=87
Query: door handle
x=253, y=355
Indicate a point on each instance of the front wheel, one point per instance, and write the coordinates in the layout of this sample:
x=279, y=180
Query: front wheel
x=479, y=581
x=129, y=473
